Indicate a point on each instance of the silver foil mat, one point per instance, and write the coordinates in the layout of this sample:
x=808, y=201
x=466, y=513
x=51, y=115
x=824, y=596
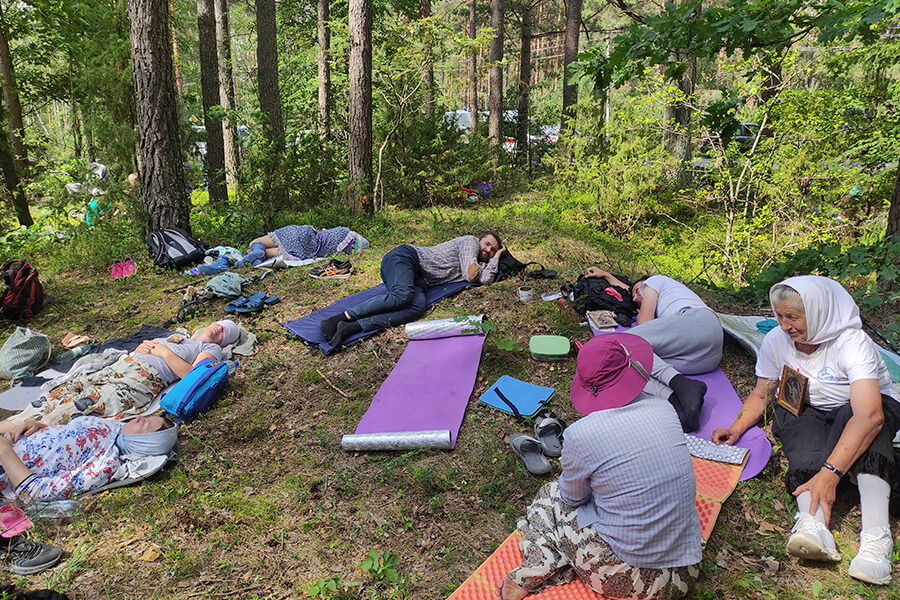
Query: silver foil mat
x=401, y=440
x=441, y=328
x=710, y=450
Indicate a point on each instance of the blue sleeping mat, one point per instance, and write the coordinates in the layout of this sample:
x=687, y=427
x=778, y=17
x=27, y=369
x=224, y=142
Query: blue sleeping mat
x=307, y=328
x=527, y=398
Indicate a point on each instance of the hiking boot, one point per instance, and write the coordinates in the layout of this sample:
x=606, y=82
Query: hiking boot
x=811, y=540
x=872, y=563
x=335, y=270
x=27, y=557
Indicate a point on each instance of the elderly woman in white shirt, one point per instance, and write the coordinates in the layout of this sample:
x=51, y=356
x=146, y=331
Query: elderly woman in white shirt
x=846, y=426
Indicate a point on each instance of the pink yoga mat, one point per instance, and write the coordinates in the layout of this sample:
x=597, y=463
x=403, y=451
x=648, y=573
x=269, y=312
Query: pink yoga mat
x=428, y=389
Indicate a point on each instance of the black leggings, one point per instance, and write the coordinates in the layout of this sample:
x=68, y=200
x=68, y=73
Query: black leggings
x=809, y=439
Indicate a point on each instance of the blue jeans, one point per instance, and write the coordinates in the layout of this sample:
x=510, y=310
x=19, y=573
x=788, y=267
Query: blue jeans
x=405, y=297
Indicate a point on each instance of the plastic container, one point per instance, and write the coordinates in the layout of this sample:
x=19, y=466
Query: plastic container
x=73, y=353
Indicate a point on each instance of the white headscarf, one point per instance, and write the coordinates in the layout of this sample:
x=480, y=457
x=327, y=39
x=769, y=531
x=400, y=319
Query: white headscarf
x=830, y=309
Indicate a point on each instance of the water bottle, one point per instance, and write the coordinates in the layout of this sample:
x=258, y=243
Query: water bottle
x=73, y=353
x=54, y=509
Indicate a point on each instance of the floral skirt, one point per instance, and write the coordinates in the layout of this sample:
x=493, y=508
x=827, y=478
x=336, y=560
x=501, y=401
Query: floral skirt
x=555, y=551
x=129, y=384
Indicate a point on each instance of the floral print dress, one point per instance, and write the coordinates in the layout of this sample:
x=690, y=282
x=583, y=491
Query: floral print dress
x=66, y=459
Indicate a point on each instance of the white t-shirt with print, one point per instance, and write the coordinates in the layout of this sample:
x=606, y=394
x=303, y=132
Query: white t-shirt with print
x=674, y=296
x=831, y=368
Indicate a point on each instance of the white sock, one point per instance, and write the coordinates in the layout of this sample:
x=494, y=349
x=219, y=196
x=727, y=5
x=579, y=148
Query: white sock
x=874, y=497
x=804, y=501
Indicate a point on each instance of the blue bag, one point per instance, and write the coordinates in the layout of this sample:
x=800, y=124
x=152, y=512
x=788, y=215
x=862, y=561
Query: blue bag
x=197, y=390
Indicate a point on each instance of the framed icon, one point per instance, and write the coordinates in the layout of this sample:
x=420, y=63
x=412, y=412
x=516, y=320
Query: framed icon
x=792, y=394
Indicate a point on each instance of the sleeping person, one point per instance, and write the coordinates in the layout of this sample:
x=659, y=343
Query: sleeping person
x=49, y=463
x=130, y=384
x=301, y=242
x=686, y=337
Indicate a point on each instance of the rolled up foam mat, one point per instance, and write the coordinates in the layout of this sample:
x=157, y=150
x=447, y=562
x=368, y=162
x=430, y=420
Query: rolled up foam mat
x=398, y=440
x=441, y=328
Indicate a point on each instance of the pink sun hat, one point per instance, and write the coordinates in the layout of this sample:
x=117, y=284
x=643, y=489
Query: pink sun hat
x=611, y=370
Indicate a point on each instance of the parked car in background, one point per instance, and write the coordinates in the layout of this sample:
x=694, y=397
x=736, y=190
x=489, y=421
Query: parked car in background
x=743, y=133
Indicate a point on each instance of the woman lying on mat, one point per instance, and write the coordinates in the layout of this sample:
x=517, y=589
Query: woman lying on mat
x=686, y=336
x=300, y=242
x=49, y=463
x=133, y=380
x=847, y=425
x=622, y=515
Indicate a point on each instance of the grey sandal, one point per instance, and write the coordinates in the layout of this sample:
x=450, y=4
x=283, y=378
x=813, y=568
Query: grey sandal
x=548, y=431
x=529, y=450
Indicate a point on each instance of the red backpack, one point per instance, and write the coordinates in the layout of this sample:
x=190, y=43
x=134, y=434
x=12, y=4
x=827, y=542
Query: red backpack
x=24, y=295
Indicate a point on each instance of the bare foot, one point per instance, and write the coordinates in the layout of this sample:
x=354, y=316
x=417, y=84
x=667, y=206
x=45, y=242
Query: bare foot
x=510, y=590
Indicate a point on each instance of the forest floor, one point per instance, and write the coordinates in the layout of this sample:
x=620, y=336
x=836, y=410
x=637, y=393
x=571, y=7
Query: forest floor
x=264, y=503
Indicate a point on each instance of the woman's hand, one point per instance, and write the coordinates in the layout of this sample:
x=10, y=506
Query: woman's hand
x=822, y=489
x=723, y=435
x=596, y=272
x=146, y=347
x=20, y=430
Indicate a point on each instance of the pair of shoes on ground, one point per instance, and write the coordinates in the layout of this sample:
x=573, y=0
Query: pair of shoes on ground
x=547, y=441
x=27, y=557
x=336, y=269
x=122, y=268
x=251, y=304
x=811, y=540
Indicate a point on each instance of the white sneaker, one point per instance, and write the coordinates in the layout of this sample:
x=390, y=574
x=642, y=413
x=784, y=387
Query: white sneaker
x=811, y=540
x=873, y=562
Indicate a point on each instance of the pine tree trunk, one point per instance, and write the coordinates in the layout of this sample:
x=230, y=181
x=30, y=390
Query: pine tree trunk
x=11, y=97
x=214, y=165
x=495, y=93
x=677, y=124
x=323, y=58
x=267, y=70
x=226, y=91
x=360, y=142
x=428, y=96
x=76, y=118
x=473, y=67
x=892, y=233
x=570, y=54
x=11, y=181
x=165, y=197
x=523, y=151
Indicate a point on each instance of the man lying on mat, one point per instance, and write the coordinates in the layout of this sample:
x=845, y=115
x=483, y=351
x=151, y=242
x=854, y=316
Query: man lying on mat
x=407, y=272
x=622, y=515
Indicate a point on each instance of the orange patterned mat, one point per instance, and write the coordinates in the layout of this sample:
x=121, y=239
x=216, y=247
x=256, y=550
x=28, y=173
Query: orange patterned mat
x=715, y=482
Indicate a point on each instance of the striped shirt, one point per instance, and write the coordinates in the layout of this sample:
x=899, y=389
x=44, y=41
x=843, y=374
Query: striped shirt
x=629, y=472
x=449, y=261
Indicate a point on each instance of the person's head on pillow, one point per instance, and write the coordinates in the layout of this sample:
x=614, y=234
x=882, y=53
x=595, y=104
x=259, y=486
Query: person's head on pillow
x=147, y=436
x=222, y=333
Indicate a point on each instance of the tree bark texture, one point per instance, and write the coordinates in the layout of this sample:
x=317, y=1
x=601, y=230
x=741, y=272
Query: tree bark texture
x=165, y=197
x=214, y=165
x=570, y=54
x=677, y=123
x=267, y=70
x=11, y=97
x=893, y=222
x=323, y=58
x=428, y=83
x=226, y=91
x=11, y=181
x=495, y=95
x=360, y=142
x=473, y=72
x=523, y=151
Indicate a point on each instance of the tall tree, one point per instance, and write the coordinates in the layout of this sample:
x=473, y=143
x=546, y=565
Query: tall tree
x=162, y=173
x=11, y=97
x=473, y=71
x=267, y=70
x=428, y=96
x=495, y=94
x=677, y=120
x=360, y=142
x=570, y=54
x=11, y=180
x=323, y=58
x=214, y=164
x=524, y=91
x=226, y=91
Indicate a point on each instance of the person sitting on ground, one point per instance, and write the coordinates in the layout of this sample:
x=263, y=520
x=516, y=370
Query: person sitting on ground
x=133, y=380
x=686, y=337
x=301, y=242
x=847, y=426
x=50, y=463
x=407, y=272
x=622, y=515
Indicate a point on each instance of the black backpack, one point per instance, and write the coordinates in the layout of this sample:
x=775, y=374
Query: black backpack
x=174, y=248
x=596, y=293
x=24, y=295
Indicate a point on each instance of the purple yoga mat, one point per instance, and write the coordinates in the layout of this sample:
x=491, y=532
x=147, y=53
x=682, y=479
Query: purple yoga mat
x=429, y=387
x=720, y=408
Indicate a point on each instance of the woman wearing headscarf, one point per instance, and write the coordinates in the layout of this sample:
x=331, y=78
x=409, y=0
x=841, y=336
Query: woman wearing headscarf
x=301, y=242
x=130, y=383
x=622, y=516
x=846, y=426
x=50, y=463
